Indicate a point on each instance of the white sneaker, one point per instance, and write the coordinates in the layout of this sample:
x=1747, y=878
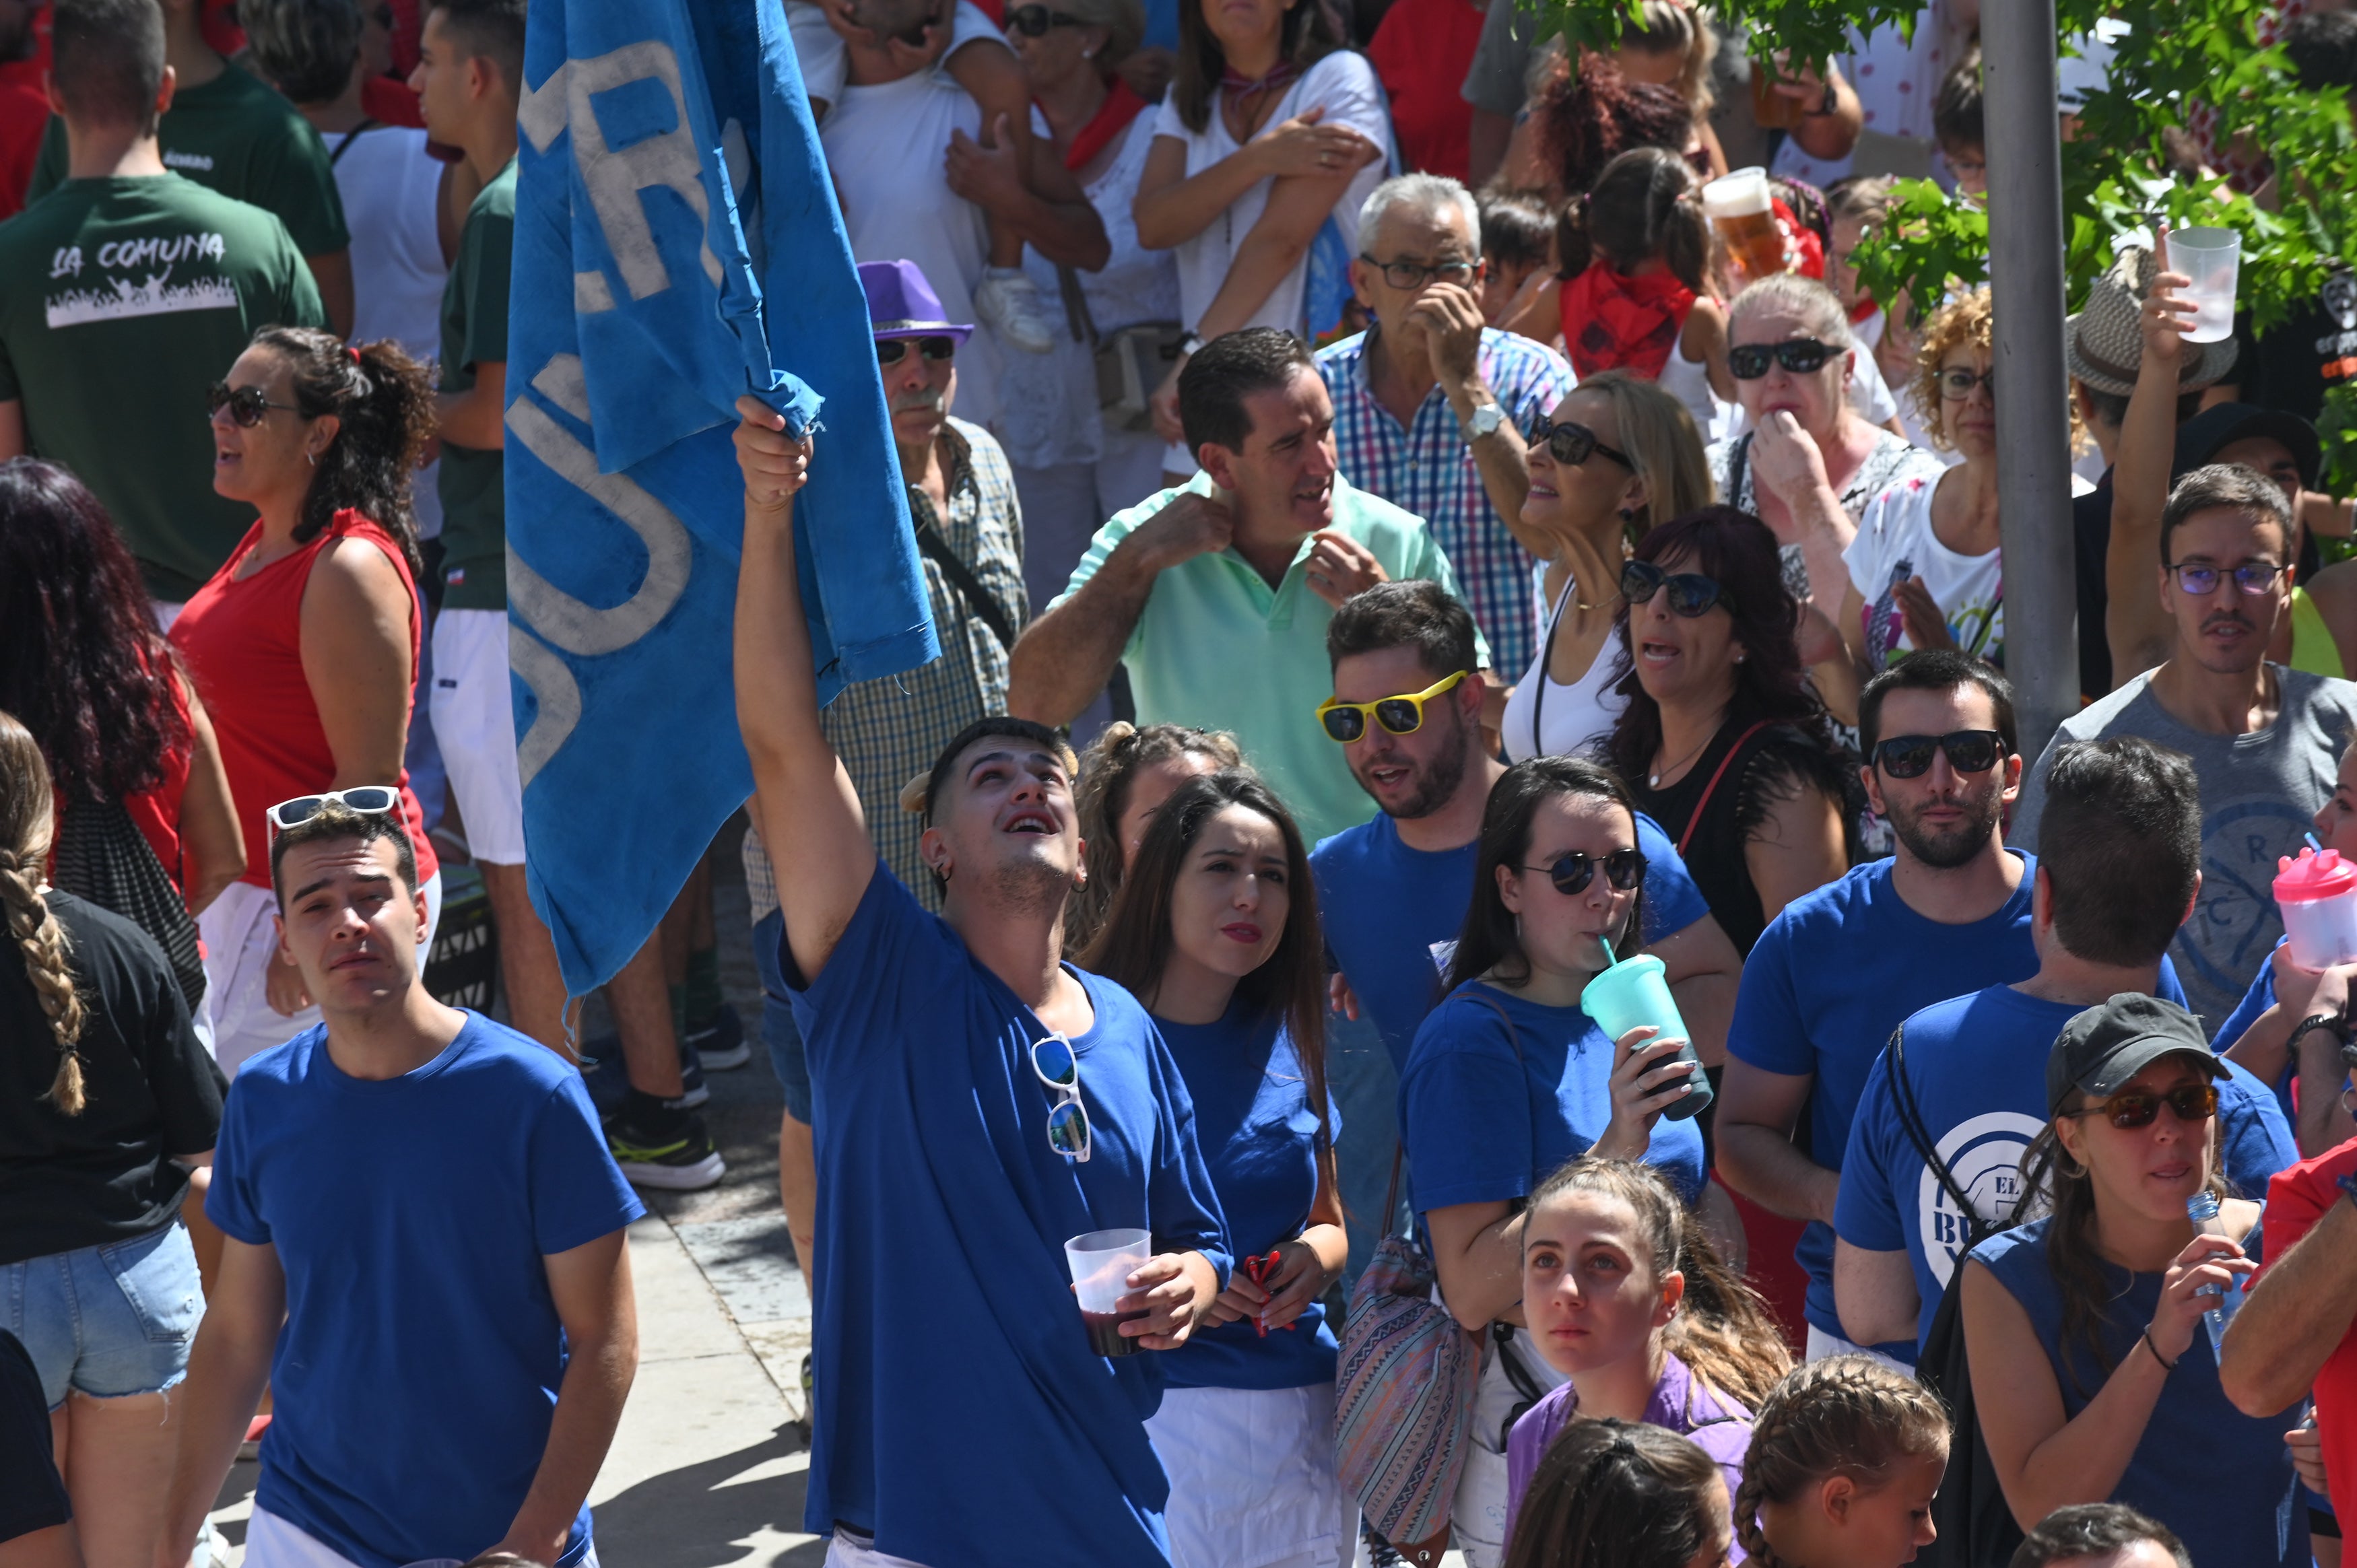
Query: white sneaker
x=1009, y=301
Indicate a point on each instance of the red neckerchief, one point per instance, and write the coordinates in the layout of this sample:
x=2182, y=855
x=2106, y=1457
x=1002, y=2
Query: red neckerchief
x=1801, y=246
x=1242, y=89
x=1863, y=311
x=1611, y=321
x=1113, y=117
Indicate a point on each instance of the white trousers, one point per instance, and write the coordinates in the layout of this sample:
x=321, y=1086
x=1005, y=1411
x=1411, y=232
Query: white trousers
x=1477, y=1518
x=1252, y=1479
x=241, y=944
x=274, y=1543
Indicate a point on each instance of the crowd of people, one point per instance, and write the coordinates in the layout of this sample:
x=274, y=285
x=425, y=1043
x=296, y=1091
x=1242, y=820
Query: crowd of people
x=1407, y=581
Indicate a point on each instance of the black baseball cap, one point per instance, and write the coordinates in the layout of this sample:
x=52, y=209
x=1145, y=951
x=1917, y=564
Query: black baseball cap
x=2222, y=424
x=2103, y=1047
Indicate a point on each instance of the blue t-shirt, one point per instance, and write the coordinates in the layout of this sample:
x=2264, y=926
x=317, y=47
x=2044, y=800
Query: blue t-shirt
x=421, y=1357
x=2212, y=1473
x=1485, y=1123
x=1387, y=907
x=1977, y=1065
x=1833, y=975
x=945, y=1310
x=1260, y=1138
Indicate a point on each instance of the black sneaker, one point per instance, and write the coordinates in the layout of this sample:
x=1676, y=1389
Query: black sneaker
x=719, y=1043
x=610, y=1082
x=660, y=1147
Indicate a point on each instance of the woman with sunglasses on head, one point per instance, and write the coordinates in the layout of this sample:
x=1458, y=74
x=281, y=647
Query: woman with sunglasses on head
x=2093, y=1377
x=1216, y=932
x=304, y=644
x=1723, y=741
x=1508, y=1079
x=1619, y=452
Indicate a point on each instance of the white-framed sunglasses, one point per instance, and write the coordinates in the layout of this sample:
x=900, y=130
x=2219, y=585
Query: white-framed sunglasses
x=1059, y=1068
x=374, y=799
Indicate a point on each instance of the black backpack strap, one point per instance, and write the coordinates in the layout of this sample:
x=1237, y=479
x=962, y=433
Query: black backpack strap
x=1911, y=1117
x=344, y=143
x=968, y=587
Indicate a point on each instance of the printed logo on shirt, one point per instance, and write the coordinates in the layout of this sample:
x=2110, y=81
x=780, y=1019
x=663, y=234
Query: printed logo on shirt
x=135, y=278
x=454, y=576
x=201, y=162
x=1984, y=1157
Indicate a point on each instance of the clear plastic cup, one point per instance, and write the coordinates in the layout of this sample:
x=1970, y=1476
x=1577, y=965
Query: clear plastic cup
x=1101, y=1262
x=1635, y=993
x=2213, y=259
x=1738, y=206
x=2316, y=895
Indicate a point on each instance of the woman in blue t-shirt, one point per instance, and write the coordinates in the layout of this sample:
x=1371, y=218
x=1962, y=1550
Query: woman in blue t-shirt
x=1215, y=931
x=1508, y=1079
x=2092, y=1375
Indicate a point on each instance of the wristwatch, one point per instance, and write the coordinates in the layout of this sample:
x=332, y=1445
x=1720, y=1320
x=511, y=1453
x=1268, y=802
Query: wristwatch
x=1189, y=344
x=2332, y=1022
x=1827, y=104
x=1486, y=421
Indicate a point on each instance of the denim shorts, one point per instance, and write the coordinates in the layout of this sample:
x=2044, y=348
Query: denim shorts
x=108, y=1321
x=781, y=1028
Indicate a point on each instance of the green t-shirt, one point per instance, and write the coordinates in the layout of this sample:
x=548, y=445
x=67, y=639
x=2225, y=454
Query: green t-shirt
x=135, y=295
x=474, y=332
x=238, y=136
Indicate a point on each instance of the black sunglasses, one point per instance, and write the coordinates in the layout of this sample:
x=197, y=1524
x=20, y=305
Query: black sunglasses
x=1691, y=593
x=1572, y=872
x=1570, y=444
x=1969, y=751
x=1801, y=356
x=249, y=406
x=1033, y=21
x=2134, y=1109
x=892, y=350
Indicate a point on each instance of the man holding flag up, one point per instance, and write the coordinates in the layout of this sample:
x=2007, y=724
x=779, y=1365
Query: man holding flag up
x=943, y=1053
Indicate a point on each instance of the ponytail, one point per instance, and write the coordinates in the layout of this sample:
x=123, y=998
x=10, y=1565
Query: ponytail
x=26, y=818
x=379, y=395
x=1645, y=204
x=1843, y=1415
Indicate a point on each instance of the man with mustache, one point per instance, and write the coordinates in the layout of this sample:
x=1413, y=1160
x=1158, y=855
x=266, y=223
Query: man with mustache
x=2264, y=738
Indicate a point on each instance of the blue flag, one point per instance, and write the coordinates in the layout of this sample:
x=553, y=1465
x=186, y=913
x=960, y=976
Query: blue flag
x=677, y=245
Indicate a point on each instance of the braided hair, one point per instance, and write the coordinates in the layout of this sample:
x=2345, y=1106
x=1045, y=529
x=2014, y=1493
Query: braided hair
x=1618, y=1493
x=26, y=818
x=386, y=412
x=1845, y=1415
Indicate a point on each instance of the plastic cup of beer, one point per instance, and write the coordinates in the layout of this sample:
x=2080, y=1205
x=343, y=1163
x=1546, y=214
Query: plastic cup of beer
x=2213, y=259
x=1101, y=1262
x=1738, y=205
x=1775, y=111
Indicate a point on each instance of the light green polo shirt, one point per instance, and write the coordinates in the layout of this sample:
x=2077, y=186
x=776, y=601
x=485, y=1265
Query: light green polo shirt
x=1217, y=648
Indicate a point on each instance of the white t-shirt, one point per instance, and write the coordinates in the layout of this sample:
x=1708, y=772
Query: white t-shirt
x=819, y=50
x=389, y=186
x=1574, y=718
x=1894, y=539
x=887, y=146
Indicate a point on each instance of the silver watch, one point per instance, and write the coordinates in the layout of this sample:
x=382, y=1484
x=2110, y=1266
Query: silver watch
x=1486, y=421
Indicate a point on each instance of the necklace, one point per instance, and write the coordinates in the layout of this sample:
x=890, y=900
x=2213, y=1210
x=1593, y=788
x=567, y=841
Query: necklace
x=1653, y=779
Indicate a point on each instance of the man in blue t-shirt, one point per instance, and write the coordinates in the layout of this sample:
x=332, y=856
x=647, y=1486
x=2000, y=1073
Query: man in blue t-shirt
x=2121, y=868
x=424, y=1252
x=1838, y=969
x=1394, y=890
x=975, y=1104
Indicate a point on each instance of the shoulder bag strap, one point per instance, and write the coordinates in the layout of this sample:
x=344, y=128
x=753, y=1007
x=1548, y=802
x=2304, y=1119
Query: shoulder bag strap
x=1738, y=465
x=1695, y=820
x=1391, y=1193
x=1910, y=1118
x=968, y=587
x=1076, y=307
x=344, y=143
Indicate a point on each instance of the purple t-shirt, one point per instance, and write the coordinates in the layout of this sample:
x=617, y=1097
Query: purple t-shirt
x=1720, y=1426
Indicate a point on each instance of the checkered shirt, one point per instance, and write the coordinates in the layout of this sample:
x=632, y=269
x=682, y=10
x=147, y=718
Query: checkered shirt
x=1429, y=470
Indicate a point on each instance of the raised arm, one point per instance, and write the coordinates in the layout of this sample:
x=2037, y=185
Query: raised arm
x=2135, y=625
x=2294, y=1318
x=802, y=798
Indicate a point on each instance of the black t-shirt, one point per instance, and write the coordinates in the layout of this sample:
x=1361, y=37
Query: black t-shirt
x=2314, y=348
x=31, y=1496
x=68, y=1182
x=2091, y=522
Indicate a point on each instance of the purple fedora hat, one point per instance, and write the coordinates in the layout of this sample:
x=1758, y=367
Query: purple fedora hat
x=901, y=303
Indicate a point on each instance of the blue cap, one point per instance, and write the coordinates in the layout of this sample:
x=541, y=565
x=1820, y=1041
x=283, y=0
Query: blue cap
x=901, y=303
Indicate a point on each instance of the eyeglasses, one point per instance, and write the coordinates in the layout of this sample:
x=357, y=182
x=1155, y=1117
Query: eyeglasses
x=1068, y=1118
x=1801, y=356
x=1033, y=21
x=2253, y=577
x=247, y=405
x=892, y=350
x=2134, y=1109
x=1691, y=595
x=1572, y=872
x=368, y=798
x=1570, y=443
x=1415, y=274
x=1956, y=383
x=1969, y=751
x=1346, y=722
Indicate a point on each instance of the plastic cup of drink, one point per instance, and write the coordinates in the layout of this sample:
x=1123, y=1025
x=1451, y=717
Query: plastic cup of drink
x=1635, y=993
x=2213, y=259
x=1101, y=1262
x=1738, y=206
x=2317, y=894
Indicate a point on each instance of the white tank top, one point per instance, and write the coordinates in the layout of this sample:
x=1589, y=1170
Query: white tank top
x=1546, y=718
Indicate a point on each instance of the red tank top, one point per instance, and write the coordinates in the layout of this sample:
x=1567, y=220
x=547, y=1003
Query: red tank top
x=242, y=641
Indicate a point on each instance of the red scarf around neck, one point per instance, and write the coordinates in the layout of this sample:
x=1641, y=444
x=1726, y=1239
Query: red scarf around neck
x=1113, y=117
x=1612, y=321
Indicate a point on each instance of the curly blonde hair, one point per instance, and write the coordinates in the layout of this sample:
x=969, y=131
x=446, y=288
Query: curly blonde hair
x=27, y=815
x=1843, y=1415
x=1966, y=321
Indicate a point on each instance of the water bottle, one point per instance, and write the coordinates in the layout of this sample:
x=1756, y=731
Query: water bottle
x=2203, y=1210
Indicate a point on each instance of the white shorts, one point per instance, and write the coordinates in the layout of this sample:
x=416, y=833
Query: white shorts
x=1822, y=1345
x=473, y=709
x=1478, y=1517
x=1252, y=1479
x=241, y=944
x=272, y=1542
x=845, y=1549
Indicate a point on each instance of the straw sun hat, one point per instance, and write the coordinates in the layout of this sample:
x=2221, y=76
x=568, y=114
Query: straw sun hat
x=2103, y=342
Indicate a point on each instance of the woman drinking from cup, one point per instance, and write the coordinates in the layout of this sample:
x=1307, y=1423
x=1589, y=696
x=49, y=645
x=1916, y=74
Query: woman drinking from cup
x=1723, y=743
x=1508, y=1078
x=2092, y=1375
x=1619, y=454
x=1216, y=932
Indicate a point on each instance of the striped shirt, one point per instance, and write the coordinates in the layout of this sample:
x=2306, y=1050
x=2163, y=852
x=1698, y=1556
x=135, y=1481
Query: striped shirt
x=1429, y=470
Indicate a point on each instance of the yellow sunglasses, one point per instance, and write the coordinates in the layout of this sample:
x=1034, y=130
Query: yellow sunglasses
x=1346, y=722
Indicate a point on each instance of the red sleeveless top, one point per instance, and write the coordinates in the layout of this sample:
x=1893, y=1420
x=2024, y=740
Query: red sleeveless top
x=242, y=641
